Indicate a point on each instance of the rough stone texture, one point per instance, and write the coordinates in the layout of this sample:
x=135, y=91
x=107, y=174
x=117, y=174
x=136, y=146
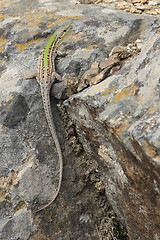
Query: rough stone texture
x=133, y=6
x=115, y=121
x=119, y=126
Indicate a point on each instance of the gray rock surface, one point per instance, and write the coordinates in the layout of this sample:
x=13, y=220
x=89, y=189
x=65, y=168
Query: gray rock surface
x=109, y=133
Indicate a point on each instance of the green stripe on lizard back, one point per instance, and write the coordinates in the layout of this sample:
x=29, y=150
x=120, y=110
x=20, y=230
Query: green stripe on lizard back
x=60, y=36
x=47, y=49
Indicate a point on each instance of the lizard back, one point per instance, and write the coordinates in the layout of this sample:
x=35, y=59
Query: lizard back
x=46, y=76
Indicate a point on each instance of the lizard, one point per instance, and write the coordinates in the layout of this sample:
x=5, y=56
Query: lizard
x=45, y=77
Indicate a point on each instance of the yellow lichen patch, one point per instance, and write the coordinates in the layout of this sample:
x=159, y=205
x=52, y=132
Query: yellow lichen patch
x=63, y=20
x=58, y=20
x=50, y=25
x=75, y=37
x=4, y=188
x=124, y=125
x=77, y=17
x=2, y=44
x=30, y=19
x=5, y=185
x=52, y=19
x=40, y=236
x=23, y=46
x=108, y=90
x=124, y=93
x=10, y=97
x=20, y=206
x=4, y=182
x=33, y=20
x=14, y=178
x=154, y=108
x=149, y=150
x=2, y=62
x=92, y=46
x=8, y=4
x=2, y=16
x=8, y=181
x=3, y=194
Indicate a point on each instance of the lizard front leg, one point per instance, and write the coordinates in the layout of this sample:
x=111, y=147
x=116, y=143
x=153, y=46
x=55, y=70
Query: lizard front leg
x=57, y=76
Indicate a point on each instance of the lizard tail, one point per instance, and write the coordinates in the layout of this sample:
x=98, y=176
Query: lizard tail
x=48, y=113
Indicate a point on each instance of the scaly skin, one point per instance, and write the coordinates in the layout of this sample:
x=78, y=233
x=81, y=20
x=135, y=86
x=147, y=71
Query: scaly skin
x=46, y=76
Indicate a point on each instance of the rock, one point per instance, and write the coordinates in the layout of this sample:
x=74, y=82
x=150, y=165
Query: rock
x=16, y=111
x=109, y=138
x=139, y=6
x=121, y=116
x=99, y=71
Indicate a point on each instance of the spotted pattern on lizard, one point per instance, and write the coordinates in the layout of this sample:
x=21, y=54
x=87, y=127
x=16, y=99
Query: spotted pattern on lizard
x=45, y=78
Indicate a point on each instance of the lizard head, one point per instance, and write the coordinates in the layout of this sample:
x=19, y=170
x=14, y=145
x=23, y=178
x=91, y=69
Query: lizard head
x=63, y=32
